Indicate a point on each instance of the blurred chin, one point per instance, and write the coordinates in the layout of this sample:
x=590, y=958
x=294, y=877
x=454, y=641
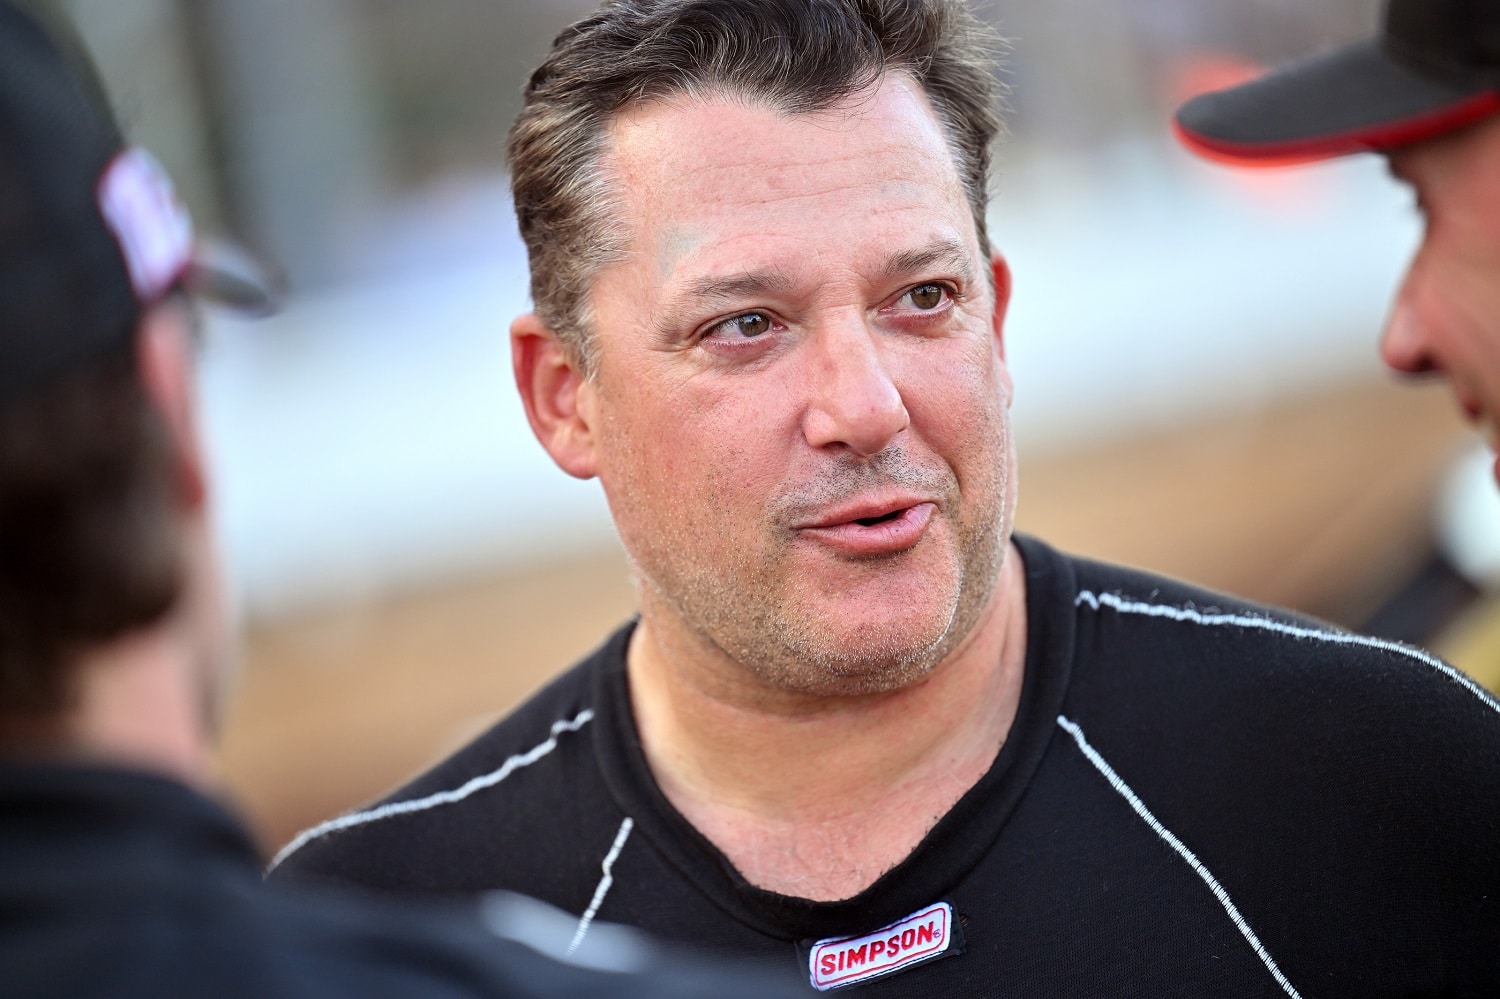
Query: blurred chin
x=1490, y=430
x=213, y=627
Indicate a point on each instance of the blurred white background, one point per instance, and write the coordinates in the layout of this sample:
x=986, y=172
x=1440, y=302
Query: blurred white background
x=1193, y=348
x=369, y=440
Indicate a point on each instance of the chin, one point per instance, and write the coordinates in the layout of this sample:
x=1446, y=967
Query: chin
x=872, y=645
x=873, y=657
x=823, y=678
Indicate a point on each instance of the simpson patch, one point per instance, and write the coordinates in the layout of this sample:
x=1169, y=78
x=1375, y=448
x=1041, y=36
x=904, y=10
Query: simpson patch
x=924, y=935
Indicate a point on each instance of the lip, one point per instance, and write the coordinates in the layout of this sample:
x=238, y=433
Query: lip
x=901, y=524
x=1479, y=417
x=1489, y=429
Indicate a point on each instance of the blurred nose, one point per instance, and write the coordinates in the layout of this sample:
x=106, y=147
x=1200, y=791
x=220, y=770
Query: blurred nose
x=1405, y=346
x=854, y=401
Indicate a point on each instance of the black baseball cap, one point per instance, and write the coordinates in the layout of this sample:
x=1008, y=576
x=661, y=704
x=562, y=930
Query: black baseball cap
x=1434, y=68
x=91, y=232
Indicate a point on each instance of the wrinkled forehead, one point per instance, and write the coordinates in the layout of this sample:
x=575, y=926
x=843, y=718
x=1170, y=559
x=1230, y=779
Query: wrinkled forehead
x=702, y=162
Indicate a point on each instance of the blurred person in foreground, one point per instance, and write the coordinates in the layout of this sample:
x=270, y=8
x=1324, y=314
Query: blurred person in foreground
x=859, y=725
x=1426, y=93
x=118, y=874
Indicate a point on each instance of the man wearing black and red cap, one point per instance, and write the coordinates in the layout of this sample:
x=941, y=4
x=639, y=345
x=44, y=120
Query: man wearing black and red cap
x=1426, y=93
x=119, y=875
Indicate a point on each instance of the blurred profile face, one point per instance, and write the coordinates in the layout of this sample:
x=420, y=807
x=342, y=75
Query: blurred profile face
x=204, y=615
x=1446, y=317
x=214, y=632
x=801, y=406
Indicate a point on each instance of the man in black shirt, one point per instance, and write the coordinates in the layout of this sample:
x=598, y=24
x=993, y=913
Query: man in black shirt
x=858, y=724
x=119, y=876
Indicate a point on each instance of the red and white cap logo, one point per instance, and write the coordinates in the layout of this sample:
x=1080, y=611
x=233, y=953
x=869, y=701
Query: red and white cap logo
x=151, y=225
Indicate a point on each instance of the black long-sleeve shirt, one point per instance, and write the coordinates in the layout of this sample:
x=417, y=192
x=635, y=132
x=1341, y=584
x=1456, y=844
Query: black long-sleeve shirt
x=1199, y=797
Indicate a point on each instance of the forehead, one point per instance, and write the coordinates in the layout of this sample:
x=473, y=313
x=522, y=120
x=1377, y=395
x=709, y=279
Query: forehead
x=1471, y=152
x=719, y=176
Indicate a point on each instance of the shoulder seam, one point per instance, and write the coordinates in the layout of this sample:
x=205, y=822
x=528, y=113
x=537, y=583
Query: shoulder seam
x=606, y=881
x=1166, y=835
x=1220, y=620
x=390, y=809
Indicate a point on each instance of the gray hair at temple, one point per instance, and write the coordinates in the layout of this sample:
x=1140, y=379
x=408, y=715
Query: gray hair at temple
x=798, y=56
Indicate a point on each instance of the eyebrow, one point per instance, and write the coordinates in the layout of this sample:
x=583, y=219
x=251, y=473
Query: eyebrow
x=948, y=252
x=748, y=283
x=1396, y=166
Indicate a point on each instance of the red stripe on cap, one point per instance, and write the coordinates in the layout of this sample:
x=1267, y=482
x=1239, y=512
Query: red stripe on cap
x=1386, y=136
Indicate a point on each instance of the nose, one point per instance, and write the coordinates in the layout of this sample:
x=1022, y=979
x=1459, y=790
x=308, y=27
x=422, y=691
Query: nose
x=1405, y=346
x=854, y=401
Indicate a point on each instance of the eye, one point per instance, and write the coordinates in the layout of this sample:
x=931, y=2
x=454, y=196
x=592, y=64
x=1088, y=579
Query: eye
x=742, y=327
x=927, y=297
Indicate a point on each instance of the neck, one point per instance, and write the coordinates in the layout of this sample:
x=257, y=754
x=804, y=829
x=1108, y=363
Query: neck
x=817, y=797
x=137, y=707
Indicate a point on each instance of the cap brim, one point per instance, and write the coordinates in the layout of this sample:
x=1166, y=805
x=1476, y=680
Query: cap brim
x=224, y=274
x=1349, y=100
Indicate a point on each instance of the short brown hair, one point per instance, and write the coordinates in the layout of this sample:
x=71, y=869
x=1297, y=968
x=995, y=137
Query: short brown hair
x=89, y=541
x=799, y=55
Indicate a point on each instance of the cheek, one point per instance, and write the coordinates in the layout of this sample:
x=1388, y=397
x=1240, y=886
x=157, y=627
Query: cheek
x=1457, y=306
x=966, y=420
x=693, y=454
x=1456, y=267
x=1475, y=294
x=962, y=401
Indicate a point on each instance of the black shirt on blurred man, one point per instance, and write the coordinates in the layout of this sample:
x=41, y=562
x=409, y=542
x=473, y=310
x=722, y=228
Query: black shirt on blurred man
x=119, y=875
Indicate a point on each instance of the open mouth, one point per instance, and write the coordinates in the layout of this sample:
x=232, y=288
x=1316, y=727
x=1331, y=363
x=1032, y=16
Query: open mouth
x=884, y=518
x=877, y=533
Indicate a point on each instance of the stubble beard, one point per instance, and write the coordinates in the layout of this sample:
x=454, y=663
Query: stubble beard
x=750, y=611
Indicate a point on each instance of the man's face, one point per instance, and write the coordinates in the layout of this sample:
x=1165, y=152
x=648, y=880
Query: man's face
x=1447, y=313
x=204, y=615
x=800, y=410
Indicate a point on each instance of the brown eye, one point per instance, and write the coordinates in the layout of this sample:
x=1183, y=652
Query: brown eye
x=747, y=327
x=927, y=296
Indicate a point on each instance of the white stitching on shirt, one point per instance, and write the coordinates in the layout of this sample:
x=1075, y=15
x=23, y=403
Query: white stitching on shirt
x=479, y=783
x=604, y=884
x=1268, y=624
x=1176, y=844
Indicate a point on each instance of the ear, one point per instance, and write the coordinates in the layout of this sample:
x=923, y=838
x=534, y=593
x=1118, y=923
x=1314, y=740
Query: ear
x=1000, y=270
x=559, y=400
x=164, y=361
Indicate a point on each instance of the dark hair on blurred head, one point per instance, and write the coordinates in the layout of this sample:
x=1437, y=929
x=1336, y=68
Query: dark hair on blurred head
x=90, y=546
x=796, y=55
